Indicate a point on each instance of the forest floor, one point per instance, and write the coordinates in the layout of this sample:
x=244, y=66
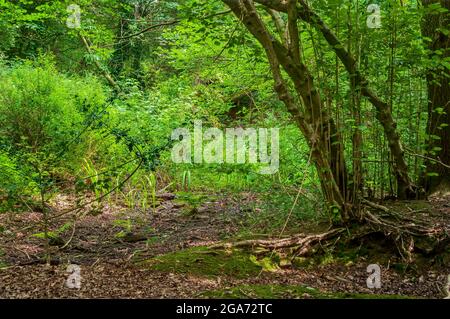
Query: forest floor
x=161, y=253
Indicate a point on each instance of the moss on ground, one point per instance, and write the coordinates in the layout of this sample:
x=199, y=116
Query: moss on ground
x=205, y=262
x=345, y=257
x=284, y=292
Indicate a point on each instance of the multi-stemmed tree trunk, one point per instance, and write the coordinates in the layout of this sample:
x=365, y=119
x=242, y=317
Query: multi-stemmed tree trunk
x=437, y=175
x=405, y=186
x=303, y=101
x=295, y=87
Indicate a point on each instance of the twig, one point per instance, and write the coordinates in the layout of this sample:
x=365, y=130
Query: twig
x=437, y=161
x=105, y=73
x=71, y=236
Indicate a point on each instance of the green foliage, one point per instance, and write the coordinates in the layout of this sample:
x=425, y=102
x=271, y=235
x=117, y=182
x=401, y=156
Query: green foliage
x=271, y=211
x=43, y=110
x=126, y=226
x=13, y=181
x=42, y=117
x=53, y=235
x=266, y=263
x=58, y=123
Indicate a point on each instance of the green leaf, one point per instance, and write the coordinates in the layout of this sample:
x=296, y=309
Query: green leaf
x=432, y=174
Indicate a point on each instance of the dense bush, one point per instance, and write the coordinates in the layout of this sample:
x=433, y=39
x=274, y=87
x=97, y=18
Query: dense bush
x=41, y=109
x=43, y=120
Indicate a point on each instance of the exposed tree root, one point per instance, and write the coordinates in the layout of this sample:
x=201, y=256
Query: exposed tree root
x=407, y=230
x=304, y=242
x=410, y=232
x=392, y=222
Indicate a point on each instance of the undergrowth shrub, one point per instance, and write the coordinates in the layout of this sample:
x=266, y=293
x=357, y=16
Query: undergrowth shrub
x=43, y=116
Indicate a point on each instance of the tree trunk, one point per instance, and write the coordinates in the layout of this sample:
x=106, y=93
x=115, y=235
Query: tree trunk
x=308, y=111
x=437, y=175
x=405, y=187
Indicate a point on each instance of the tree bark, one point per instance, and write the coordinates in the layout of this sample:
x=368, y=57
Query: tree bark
x=405, y=187
x=309, y=113
x=438, y=127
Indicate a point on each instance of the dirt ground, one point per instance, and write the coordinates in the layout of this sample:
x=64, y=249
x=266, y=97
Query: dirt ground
x=107, y=256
